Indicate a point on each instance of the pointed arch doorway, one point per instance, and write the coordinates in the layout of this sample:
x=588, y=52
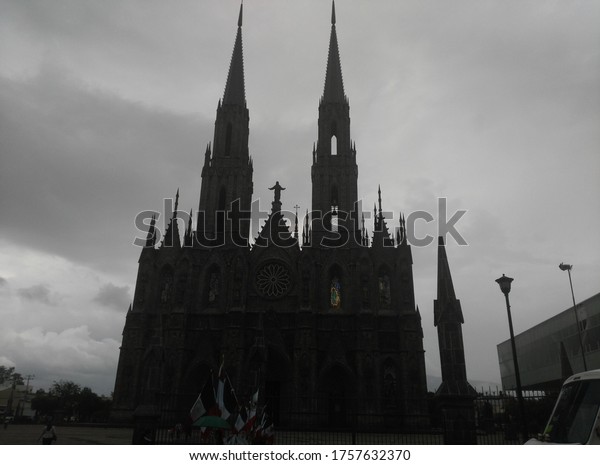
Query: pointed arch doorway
x=276, y=384
x=337, y=393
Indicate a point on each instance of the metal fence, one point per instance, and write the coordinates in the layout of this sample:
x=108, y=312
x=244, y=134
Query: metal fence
x=495, y=416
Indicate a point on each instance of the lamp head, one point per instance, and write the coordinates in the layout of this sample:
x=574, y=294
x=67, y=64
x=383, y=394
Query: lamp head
x=504, y=283
x=565, y=267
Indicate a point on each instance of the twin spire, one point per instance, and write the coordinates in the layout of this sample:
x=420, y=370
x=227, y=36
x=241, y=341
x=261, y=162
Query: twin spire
x=235, y=92
x=235, y=95
x=334, y=84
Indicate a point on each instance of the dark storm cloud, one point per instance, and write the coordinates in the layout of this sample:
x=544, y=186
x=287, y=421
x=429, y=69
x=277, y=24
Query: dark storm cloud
x=113, y=296
x=91, y=161
x=39, y=293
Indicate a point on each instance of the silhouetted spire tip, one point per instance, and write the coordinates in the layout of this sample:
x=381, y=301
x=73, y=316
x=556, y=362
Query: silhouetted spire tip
x=333, y=12
x=235, y=93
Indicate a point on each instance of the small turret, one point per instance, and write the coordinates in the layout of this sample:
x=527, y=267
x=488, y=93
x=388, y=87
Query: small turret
x=188, y=238
x=172, y=237
x=151, y=238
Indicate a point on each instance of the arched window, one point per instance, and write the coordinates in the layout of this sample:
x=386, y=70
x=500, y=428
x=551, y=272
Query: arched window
x=334, y=141
x=213, y=286
x=334, y=145
x=228, y=140
x=336, y=293
x=335, y=289
x=166, y=284
x=385, y=298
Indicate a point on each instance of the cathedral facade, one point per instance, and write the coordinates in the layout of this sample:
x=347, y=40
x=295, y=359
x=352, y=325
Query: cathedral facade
x=318, y=317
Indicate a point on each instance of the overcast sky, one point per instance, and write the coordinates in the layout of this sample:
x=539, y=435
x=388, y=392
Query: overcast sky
x=106, y=109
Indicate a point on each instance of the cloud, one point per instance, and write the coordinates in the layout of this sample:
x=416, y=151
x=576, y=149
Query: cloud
x=95, y=160
x=3, y=282
x=71, y=354
x=113, y=296
x=6, y=362
x=39, y=293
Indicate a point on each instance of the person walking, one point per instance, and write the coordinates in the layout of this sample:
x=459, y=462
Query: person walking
x=48, y=435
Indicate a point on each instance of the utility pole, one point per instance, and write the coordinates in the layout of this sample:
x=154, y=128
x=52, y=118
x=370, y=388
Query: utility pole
x=26, y=397
x=566, y=267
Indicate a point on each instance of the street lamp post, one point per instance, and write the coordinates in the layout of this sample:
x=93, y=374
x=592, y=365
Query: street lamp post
x=504, y=283
x=567, y=268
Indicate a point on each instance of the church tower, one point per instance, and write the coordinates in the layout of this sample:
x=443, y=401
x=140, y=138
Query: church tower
x=324, y=327
x=226, y=192
x=334, y=171
x=455, y=395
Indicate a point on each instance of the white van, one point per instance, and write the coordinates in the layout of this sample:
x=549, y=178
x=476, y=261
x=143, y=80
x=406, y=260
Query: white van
x=575, y=418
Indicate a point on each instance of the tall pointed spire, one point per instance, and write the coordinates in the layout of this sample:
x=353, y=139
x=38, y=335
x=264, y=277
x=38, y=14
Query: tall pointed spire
x=445, y=288
x=227, y=172
x=334, y=170
x=333, y=12
x=448, y=318
x=235, y=93
x=334, y=84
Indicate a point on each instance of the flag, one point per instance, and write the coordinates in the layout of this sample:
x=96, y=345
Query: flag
x=205, y=403
x=241, y=419
x=226, y=399
x=264, y=433
x=251, y=412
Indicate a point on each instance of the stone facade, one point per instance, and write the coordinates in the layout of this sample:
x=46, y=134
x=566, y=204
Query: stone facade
x=322, y=322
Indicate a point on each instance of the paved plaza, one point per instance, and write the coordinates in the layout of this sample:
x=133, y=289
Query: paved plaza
x=69, y=435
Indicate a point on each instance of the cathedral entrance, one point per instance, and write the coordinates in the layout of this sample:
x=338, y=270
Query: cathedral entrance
x=337, y=395
x=337, y=409
x=273, y=400
x=275, y=385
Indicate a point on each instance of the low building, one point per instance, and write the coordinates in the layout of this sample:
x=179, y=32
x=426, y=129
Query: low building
x=550, y=351
x=15, y=401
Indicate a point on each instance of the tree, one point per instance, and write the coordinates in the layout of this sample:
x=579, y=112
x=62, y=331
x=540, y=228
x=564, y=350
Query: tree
x=67, y=393
x=65, y=389
x=92, y=407
x=44, y=403
x=68, y=400
x=8, y=374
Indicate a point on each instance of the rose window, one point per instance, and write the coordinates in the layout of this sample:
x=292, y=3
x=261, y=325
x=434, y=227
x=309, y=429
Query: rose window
x=273, y=280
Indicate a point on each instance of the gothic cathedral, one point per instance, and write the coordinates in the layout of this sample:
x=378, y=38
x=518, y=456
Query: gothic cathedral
x=321, y=322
